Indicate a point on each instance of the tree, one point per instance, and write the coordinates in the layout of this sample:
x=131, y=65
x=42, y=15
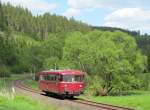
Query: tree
x=144, y=44
x=39, y=27
x=51, y=63
x=2, y=19
x=112, y=56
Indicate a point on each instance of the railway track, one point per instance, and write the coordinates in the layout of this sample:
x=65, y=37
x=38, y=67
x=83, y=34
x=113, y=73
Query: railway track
x=101, y=106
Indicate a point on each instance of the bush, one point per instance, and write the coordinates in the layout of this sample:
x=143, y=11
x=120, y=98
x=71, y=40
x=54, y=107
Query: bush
x=145, y=82
x=4, y=71
x=93, y=85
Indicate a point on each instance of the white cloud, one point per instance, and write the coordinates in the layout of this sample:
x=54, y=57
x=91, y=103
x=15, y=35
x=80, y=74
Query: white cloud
x=76, y=7
x=128, y=14
x=71, y=12
x=33, y=5
x=85, y=5
x=111, y=4
x=129, y=18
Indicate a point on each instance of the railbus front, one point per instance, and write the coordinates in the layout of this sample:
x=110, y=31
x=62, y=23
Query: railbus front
x=66, y=83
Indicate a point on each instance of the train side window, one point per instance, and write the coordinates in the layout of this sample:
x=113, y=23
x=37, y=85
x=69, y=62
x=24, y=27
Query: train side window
x=77, y=78
x=54, y=77
x=57, y=77
x=51, y=77
x=45, y=78
x=48, y=77
x=42, y=78
x=60, y=77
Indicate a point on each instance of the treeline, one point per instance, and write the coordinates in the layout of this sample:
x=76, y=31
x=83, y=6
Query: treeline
x=39, y=26
x=103, y=28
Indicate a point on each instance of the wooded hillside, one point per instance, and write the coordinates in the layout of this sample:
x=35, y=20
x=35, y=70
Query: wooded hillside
x=20, y=19
x=32, y=43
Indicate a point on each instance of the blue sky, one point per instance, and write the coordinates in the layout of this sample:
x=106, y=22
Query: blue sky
x=128, y=14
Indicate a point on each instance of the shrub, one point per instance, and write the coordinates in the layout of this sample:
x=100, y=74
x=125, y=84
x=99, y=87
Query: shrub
x=145, y=82
x=4, y=71
x=93, y=85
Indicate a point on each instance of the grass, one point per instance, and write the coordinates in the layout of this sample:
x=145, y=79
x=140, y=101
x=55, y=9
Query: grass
x=4, y=83
x=140, y=100
x=22, y=103
x=7, y=81
x=32, y=83
x=13, y=101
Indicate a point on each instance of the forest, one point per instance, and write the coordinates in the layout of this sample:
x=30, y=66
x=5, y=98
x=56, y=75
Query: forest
x=118, y=59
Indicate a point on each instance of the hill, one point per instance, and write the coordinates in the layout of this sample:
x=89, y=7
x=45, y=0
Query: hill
x=34, y=41
x=22, y=20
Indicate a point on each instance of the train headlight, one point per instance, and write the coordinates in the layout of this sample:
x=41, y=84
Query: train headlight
x=80, y=85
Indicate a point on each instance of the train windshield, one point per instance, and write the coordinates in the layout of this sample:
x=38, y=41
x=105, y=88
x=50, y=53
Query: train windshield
x=73, y=78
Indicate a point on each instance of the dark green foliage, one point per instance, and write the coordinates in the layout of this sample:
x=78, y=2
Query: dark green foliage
x=144, y=81
x=4, y=71
x=2, y=17
x=7, y=50
x=144, y=44
x=39, y=27
x=133, y=33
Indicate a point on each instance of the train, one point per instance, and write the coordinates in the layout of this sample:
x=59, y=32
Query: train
x=65, y=83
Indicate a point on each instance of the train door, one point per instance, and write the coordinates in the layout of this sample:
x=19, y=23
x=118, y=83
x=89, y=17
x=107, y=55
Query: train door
x=42, y=82
x=52, y=83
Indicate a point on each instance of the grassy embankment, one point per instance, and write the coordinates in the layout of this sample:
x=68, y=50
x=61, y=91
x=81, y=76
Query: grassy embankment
x=140, y=100
x=13, y=101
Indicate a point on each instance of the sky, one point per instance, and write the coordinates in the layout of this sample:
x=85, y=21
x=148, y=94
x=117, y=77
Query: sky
x=127, y=14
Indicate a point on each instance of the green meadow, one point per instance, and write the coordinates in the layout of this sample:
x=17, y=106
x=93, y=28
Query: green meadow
x=140, y=100
x=14, y=101
x=19, y=102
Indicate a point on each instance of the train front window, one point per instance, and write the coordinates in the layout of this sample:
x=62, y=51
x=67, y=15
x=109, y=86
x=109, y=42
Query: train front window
x=72, y=78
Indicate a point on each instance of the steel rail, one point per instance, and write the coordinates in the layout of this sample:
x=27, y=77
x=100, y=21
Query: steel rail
x=101, y=105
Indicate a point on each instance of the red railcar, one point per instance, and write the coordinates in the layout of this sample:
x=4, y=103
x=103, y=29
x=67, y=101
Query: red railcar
x=62, y=82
